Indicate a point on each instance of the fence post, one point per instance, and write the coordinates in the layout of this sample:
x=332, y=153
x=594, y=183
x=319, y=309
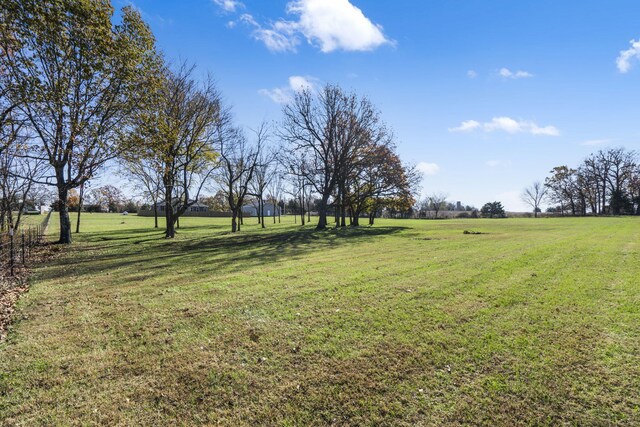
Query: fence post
x=23, y=260
x=11, y=260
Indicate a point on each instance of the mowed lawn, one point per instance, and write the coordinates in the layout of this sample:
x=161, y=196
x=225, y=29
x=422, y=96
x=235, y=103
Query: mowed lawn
x=409, y=322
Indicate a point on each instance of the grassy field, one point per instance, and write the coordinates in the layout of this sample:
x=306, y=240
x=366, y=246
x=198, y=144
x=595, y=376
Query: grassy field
x=533, y=322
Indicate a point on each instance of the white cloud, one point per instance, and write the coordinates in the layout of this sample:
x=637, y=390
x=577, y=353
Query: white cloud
x=336, y=25
x=300, y=83
x=472, y=74
x=594, y=142
x=229, y=5
x=284, y=95
x=624, y=59
x=466, y=126
x=428, y=169
x=508, y=74
x=330, y=25
x=274, y=40
x=277, y=95
x=507, y=124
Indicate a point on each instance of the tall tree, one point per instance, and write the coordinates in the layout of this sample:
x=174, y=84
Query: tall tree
x=380, y=180
x=562, y=187
x=238, y=161
x=534, y=195
x=621, y=165
x=314, y=124
x=295, y=168
x=80, y=78
x=275, y=190
x=263, y=174
x=176, y=134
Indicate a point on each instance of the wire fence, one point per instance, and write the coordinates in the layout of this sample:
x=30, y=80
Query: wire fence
x=16, y=247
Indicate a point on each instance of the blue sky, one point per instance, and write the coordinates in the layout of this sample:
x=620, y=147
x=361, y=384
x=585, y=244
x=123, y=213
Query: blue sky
x=486, y=96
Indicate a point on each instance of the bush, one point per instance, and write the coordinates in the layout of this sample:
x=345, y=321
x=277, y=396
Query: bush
x=131, y=206
x=493, y=210
x=93, y=208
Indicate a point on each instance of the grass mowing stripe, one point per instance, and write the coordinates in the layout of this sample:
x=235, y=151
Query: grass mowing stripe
x=533, y=322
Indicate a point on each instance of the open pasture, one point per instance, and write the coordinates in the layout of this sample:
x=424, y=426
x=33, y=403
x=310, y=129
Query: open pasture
x=409, y=322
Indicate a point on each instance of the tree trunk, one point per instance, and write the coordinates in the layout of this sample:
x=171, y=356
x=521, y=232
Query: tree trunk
x=155, y=213
x=343, y=208
x=262, y=212
x=234, y=220
x=170, y=232
x=355, y=217
x=10, y=219
x=65, y=222
x=322, y=213
x=78, y=218
x=258, y=211
x=80, y=200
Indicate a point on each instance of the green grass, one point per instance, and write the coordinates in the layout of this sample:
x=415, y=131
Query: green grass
x=533, y=322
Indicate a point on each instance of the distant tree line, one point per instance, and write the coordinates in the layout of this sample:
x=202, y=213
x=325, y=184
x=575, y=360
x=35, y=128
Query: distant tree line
x=605, y=183
x=432, y=205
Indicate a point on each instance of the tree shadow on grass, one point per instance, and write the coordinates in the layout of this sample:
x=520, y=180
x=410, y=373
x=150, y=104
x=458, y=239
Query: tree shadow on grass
x=146, y=253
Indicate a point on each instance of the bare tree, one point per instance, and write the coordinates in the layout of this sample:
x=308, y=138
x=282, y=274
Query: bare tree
x=312, y=125
x=146, y=171
x=19, y=172
x=534, y=196
x=295, y=169
x=275, y=190
x=238, y=161
x=263, y=173
x=437, y=202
